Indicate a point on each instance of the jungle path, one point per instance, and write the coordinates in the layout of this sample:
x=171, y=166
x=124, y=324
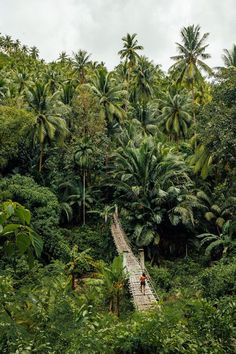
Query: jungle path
x=133, y=267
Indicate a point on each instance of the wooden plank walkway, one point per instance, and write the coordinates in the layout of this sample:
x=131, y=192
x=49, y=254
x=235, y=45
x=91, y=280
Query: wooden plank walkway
x=141, y=302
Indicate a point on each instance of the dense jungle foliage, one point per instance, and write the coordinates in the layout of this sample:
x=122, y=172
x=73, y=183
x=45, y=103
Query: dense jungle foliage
x=78, y=141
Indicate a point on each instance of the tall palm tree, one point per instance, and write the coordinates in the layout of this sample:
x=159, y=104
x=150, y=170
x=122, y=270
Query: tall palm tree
x=110, y=95
x=175, y=117
x=49, y=126
x=151, y=182
x=192, y=52
x=114, y=279
x=80, y=64
x=129, y=52
x=190, y=61
x=143, y=81
x=229, y=57
x=67, y=92
x=83, y=160
x=8, y=44
x=63, y=57
x=34, y=52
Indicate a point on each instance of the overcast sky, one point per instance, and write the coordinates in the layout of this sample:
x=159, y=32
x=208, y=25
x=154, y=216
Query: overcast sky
x=98, y=26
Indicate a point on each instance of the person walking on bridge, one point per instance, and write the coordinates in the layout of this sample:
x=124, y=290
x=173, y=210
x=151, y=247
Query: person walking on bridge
x=143, y=283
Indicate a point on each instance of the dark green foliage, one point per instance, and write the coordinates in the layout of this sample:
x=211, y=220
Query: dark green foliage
x=15, y=128
x=97, y=238
x=219, y=280
x=45, y=211
x=133, y=138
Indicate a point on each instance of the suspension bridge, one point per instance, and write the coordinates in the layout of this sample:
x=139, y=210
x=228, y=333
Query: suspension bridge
x=134, y=269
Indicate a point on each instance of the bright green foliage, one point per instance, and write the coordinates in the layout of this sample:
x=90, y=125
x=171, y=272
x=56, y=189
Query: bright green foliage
x=15, y=231
x=131, y=46
x=49, y=125
x=201, y=160
x=219, y=281
x=192, y=52
x=153, y=185
x=175, y=117
x=15, y=128
x=80, y=64
x=111, y=97
x=225, y=242
x=122, y=133
x=216, y=126
x=143, y=80
x=114, y=281
x=45, y=210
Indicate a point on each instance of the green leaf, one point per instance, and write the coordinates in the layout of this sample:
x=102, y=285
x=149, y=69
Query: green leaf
x=37, y=243
x=10, y=209
x=22, y=242
x=10, y=228
x=9, y=248
x=23, y=214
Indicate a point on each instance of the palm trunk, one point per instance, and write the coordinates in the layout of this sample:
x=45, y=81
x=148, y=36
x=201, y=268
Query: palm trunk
x=41, y=158
x=118, y=304
x=194, y=117
x=84, y=198
x=73, y=283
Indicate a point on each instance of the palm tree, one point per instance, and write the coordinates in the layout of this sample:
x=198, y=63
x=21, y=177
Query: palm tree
x=202, y=158
x=34, y=52
x=8, y=44
x=22, y=76
x=114, y=279
x=225, y=242
x=175, y=117
x=190, y=61
x=229, y=57
x=129, y=52
x=151, y=181
x=110, y=95
x=63, y=57
x=143, y=114
x=217, y=213
x=143, y=81
x=80, y=64
x=24, y=49
x=68, y=89
x=83, y=160
x=49, y=126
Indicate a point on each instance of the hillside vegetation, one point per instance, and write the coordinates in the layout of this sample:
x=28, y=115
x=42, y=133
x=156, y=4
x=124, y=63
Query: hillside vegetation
x=78, y=142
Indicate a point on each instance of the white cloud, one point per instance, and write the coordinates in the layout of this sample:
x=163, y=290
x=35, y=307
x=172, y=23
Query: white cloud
x=98, y=25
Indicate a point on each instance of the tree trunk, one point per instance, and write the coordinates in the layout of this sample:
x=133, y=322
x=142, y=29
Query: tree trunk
x=73, y=285
x=84, y=198
x=194, y=118
x=118, y=304
x=41, y=158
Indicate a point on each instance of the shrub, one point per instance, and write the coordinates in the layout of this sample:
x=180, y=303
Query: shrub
x=45, y=212
x=219, y=280
x=15, y=126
